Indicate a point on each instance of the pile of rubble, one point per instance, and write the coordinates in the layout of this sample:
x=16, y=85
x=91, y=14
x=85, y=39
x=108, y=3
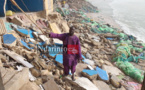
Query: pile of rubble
x=27, y=64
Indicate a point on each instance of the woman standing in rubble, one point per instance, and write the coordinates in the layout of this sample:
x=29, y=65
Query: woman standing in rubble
x=73, y=53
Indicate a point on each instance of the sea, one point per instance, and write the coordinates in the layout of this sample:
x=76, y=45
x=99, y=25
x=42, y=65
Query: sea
x=129, y=14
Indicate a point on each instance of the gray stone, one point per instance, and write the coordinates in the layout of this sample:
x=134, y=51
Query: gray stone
x=88, y=55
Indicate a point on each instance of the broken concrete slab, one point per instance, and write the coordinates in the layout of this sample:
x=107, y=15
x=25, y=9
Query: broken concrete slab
x=50, y=84
x=44, y=38
x=17, y=21
x=8, y=76
x=17, y=57
x=3, y=71
x=112, y=70
x=90, y=74
x=25, y=45
x=86, y=83
x=57, y=41
x=9, y=39
x=65, y=26
x=55, y=28
x=25, y=32
x=18, y=80
x=102, y=74
x=30, y=86
x=101, y=85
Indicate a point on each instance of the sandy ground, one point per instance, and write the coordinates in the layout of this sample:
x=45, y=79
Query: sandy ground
x=103, y=19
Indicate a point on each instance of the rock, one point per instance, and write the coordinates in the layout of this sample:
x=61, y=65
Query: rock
x=68, y=88
x=60, y=88
x=108, y=63
x=44, y=72
x=115, y=81
x=111, y=69
x=88, y=56
x=84, y=50
x=44, y=78
x=97, y=63
x=42, y=63
x=57, y=72
x=122, y=88
x=49, y=67
x=112, y=87
x=39, y=81
x=101, y=85
x=79, y=68
x=61, y=72
x=101, y=61
x=1, y=64
x=90, y=62
x=30, y=86
x=85, y=45
x=35, y=72
x=35, y=34
x=90, y=74
x=50, y=84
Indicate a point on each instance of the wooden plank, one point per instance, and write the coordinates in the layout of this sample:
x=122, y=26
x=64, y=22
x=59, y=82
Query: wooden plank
x=17, y=58
x=55, y=28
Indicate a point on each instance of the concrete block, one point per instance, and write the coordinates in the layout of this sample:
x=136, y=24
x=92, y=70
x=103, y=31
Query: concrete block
x=17, y=21
x=90, y=74
x=18, y=80
x=50, y=84
x=30, y=86
x=101, y=85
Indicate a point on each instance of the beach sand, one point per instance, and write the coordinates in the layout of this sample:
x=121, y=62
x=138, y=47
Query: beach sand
x=104, y=19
